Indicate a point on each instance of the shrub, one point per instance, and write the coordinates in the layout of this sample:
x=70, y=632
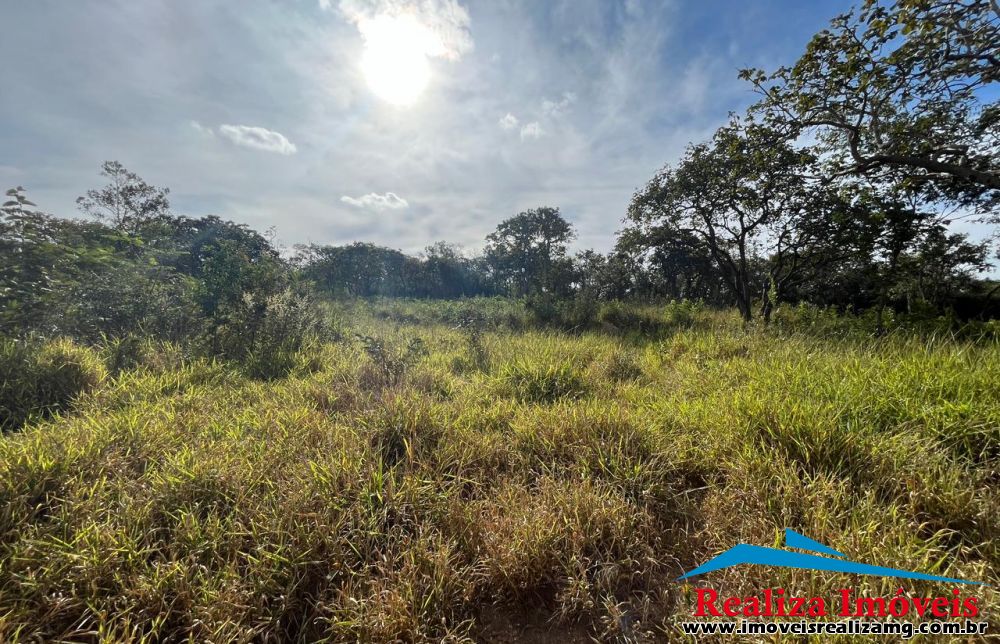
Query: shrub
x=132, y=351
x=575, y=313
x=804, y=317
x=155, y=299
x=542, y=310
x=266, y=334
x=389, y=363
x=540, y=383
x=472, y=325
x=580, y=312
x=682, y=314
x=38, y=380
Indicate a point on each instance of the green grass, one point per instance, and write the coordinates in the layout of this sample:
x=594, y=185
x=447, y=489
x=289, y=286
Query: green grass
x=555, y=481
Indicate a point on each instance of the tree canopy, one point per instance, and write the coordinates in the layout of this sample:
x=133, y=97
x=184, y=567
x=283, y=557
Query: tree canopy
x=903, y=93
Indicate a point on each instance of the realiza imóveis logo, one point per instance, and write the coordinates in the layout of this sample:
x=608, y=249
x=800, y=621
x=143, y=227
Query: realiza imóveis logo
x=745, y=553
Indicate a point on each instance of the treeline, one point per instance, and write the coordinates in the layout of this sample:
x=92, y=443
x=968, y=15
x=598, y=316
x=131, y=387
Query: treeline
x=133, y=266
x=839, y=188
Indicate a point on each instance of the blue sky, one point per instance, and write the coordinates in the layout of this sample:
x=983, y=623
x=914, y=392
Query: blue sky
x=265, y=112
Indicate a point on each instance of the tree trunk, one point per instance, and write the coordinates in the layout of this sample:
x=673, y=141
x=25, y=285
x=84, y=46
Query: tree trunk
x=766, y=309
x=744, y=302
x=766, y=306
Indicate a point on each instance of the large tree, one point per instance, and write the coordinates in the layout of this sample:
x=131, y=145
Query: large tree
x=903, y=93
x=666, y=262
x=443, y=271
x=748, y=199
x=527, y=253
x=359, y=269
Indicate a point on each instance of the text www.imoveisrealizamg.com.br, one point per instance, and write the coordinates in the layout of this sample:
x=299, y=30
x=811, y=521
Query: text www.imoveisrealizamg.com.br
x=905, y=630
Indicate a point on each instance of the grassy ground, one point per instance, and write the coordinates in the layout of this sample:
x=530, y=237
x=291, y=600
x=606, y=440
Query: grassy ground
x=495, y=485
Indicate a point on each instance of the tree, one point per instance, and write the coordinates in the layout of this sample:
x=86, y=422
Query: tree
x=940, y=267
x=527, y=253
x=195, y=240
x=355, y=270
x=666, y=262
x=815, y=230
x=81, y=278
x=909, y=253
x=745, y=197
x=228, y=270
x=900, y=94
x=127, y=203
x=444, y=272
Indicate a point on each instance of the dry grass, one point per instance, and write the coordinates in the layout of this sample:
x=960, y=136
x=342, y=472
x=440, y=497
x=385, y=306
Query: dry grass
x=548, y=482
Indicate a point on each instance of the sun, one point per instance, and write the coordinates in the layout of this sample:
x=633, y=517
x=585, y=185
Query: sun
x=395, y=58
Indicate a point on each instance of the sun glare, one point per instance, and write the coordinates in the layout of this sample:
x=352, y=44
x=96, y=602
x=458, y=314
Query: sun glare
x=395, y=59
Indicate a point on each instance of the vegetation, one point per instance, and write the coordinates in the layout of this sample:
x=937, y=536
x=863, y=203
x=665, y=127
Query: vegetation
x=392, y=491
x=39, y=379
x=205, y=438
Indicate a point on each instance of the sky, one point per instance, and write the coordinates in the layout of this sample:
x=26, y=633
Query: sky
x=400, y=122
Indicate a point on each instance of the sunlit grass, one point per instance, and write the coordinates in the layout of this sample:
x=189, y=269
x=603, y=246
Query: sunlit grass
x=370, y=497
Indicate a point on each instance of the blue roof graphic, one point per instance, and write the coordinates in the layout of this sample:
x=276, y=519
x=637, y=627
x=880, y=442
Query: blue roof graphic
x=748, y=554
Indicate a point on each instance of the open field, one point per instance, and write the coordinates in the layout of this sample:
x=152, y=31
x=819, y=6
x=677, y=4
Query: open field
x=494, y=481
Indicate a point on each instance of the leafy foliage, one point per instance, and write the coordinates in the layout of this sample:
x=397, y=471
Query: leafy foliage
x=390, y=362
x=127, y=203
x=527, y=253
x=901, y=92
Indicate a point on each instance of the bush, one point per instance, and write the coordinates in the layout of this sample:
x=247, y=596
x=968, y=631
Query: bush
x=389, y=363
x=132, y=351
x=542, y=310
x=153, y=300
x=39, y=380
x=472, y=327
x=804, y=317
x=575, y=313
x=682, y=314
x=580, y=312
x=265, y=335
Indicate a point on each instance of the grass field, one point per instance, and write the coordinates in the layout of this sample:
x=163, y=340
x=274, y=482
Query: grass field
x=495, y=482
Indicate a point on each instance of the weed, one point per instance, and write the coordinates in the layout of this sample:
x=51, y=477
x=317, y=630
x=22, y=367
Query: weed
x=389, y=363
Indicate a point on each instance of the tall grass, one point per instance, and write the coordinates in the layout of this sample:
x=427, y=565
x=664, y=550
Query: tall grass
x=420, y=483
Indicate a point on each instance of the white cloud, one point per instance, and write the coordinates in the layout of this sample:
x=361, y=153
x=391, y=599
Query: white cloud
x=556, y=108
x=532, y=131
x=201, y=129
x=258, y=138
x=446, y=21
x=377, y=202
x=508, y=122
